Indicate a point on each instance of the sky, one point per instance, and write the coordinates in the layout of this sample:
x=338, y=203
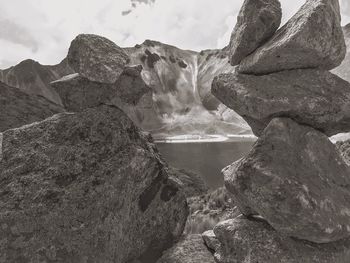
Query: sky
x=43, y=29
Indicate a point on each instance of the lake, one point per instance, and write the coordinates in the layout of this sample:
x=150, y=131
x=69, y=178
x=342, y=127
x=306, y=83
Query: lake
x=205, y=158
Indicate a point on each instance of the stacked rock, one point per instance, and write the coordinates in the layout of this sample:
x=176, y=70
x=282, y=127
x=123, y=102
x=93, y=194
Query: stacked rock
x=293, y=188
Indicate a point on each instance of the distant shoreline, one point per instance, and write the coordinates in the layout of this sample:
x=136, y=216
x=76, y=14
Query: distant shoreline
x=189, y=138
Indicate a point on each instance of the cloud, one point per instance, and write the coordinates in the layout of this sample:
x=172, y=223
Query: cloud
x=42, y=30
x=16, y=34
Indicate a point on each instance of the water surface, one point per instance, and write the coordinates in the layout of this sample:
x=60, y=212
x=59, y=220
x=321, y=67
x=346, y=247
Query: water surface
x=205, y=158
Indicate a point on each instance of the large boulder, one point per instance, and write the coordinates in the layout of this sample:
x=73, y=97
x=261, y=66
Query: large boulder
x=97, y=58
x=317, y=98
x=78, y=93
x=18, y=108
x=295, y=178
x=85, y=187
x=190, y=249
x=251, y=241
x=257, y=21
x=312, y=38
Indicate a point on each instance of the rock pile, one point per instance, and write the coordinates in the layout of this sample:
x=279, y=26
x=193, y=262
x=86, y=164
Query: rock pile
x=293, y=188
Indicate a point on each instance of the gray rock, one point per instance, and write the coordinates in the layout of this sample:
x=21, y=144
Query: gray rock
x=210, y=240
x=190, y=249
x=78, y=93
x=313, y=97
x=257, y=21
x=86, y=187
x=295, y=178
x=18, y=108
x=344, y=149
x=97, y=58
x=250, y=241
x=312, y=38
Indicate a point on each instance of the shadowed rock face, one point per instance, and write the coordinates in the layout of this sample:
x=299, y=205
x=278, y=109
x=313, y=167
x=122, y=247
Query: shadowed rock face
x=248, y=241
x=313, y=97
x=18, y=108
x=257, y=21
x=189, y=249
x=85, y=187
x=97, y=58
x=294, y=178
x=78, y=93
x=312, y=38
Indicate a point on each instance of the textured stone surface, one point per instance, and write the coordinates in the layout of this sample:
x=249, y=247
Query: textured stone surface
x=18, y=108
x=249, y=241
x=210, y=240
x=78, y=93
x=257, y=21
x=190, y=249
x=313, y=97
x=85, y=187
x=312, y=38
x=344, y=149
x=97, y=58
x=295, y=178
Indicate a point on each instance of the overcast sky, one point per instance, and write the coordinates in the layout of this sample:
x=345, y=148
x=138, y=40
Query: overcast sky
x=43, y=29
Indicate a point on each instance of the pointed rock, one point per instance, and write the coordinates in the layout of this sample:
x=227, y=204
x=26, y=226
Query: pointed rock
x=248, y=241
x=312, y=38
x=97, y=58
x=295, y=178
x=316, y=98
x=18, y=108
x=86, y=187
x=257, y=21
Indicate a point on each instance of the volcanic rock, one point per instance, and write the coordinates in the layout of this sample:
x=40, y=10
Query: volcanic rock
x=18, y=108
x=317, y=98
x=189, y=249
x=86, y=187
x=247, y=241
x=97, y=58
x=257, y=21
x=294, y=178
x=312, y=38
x=78, y=93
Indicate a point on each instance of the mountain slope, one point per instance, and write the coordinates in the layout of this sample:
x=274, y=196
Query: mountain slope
x=34, y=78
x=180, y=102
